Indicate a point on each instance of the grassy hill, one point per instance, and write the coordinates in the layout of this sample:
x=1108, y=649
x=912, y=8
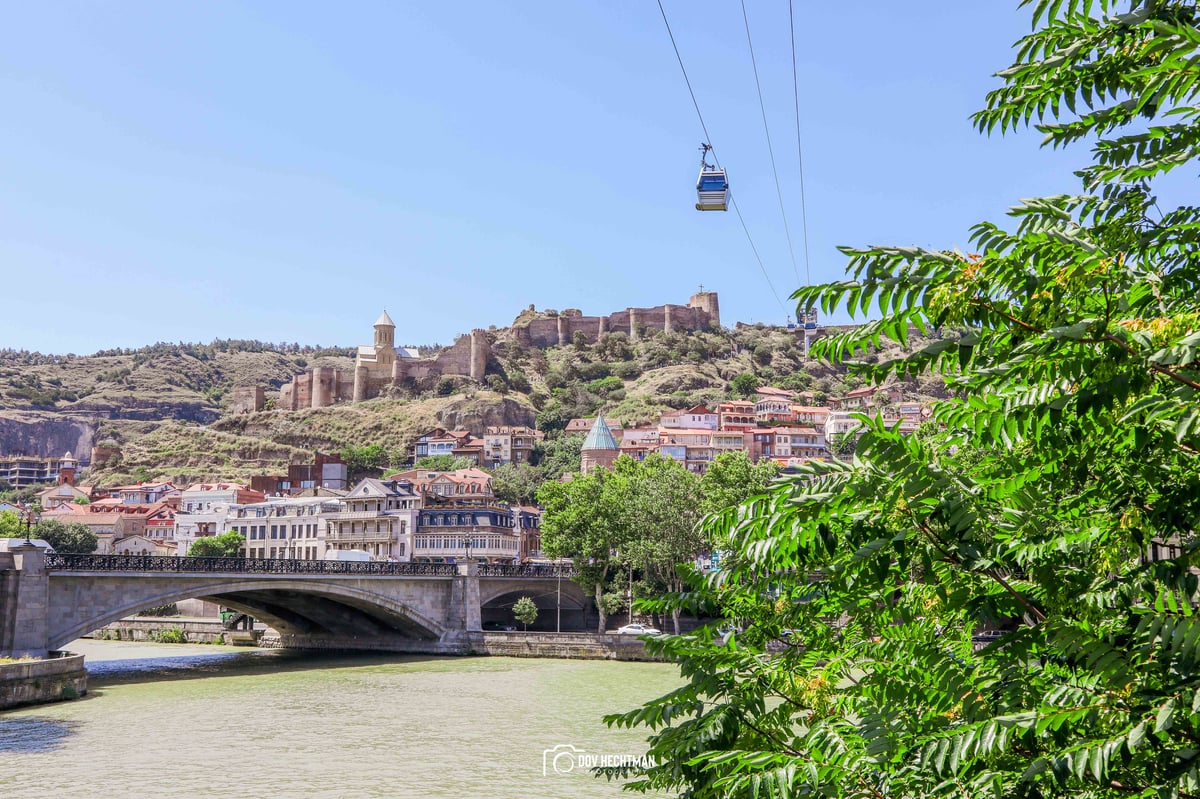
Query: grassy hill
x=167, y=405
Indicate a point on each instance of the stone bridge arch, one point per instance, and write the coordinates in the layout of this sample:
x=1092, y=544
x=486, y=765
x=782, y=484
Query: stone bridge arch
x=307, y=608
x=555, y=600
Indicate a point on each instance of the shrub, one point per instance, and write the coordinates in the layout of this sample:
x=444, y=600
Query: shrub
x=171, y=635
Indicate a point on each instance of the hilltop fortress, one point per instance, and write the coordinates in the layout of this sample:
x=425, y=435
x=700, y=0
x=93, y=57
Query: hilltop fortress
x=382, y=364
x=701, y=313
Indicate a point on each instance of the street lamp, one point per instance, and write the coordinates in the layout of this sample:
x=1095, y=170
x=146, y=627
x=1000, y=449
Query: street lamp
x=558, y=595
x=31, y=517
x=631, y=592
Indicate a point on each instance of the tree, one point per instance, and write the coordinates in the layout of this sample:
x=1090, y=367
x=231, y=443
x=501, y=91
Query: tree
x=844, y=443
x=1057, y=499
x=525, y=611
x=641, y=514
x=745, y=384
x=583, y=520
x=515, y=483
x=226, y=545
x=11, y=525
x=661, y=505
x=559, y=456
x=732, y=479
x=68, y=538
x=442, y=463
x=365, y=461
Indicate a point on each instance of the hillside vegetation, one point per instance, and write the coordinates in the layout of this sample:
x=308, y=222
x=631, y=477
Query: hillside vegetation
x=167, y=406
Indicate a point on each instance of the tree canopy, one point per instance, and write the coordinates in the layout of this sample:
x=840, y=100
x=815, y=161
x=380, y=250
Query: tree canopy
x=443, y=463
x=65, y=538
x=1055, y=502
x=226, y=545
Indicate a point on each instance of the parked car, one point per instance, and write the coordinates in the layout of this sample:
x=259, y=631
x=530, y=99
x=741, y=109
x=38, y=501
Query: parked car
x=499, y=626
x=638, y=629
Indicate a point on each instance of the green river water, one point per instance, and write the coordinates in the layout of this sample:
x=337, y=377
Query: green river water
x=201, y=721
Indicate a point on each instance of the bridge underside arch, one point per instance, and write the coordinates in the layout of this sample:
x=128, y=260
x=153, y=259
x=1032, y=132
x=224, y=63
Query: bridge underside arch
x=294, y=608
x=563, y=609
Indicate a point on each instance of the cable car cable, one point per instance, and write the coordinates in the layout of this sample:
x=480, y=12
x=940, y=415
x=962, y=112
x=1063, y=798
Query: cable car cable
x=782, y=307
x=770, y=149
x=717, y=160
x=799, y=150
x=679, y=58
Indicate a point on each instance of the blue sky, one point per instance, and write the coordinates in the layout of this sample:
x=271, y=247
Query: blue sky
x=283, y=171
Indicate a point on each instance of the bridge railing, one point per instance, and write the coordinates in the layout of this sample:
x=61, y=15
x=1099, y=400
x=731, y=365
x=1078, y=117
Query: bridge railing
x=564, y=570
x=167, y=563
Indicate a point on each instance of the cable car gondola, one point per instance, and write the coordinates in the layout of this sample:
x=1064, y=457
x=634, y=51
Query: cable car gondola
x=712, y=187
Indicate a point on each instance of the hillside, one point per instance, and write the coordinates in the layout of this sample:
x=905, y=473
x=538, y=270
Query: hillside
x=168, y=406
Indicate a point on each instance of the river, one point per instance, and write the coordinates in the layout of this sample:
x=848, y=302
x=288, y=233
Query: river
x=180, y=720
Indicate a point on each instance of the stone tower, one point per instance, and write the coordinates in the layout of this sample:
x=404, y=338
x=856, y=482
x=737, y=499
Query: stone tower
x=66, y=470
x=385, y=332
x=480, y=350
x=707, y=301
x=600, y=449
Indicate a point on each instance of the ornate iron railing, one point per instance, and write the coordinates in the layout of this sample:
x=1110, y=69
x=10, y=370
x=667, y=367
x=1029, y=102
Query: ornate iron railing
x=565, y=570
x=161, y=563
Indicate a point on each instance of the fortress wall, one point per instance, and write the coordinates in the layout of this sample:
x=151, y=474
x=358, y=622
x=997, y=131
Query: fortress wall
x=543, y=332
x=344, y=386
x=248, y=399
x=685, y=318
x=618, y=322
x=302, y=388
x=588, y=325
x=456, y=359
x=416, y=368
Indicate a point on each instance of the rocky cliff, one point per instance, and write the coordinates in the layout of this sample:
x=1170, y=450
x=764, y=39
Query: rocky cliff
x=46, y=436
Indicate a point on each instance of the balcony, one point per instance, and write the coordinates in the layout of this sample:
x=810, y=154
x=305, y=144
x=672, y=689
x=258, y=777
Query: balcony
x=358, y=515
x=369, y=535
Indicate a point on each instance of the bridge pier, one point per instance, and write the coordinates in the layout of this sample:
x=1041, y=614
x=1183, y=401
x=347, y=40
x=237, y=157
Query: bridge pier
x=24, y=602
x=467, y=593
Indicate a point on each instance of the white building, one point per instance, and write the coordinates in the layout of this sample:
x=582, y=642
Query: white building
x=289, y=527
x=378, y=517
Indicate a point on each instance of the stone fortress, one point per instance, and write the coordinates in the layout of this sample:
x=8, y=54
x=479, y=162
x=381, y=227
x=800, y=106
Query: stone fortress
x=382, y=364
x=701, y=313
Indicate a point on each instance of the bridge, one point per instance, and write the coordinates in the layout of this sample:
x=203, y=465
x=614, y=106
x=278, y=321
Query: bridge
x=438, y=608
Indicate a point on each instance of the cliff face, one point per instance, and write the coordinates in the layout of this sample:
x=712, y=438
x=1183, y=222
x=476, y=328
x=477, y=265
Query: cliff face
x=47, y=437
x=477, y=416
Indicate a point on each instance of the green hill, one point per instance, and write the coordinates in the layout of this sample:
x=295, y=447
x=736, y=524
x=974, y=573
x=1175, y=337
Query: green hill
x=167, y=405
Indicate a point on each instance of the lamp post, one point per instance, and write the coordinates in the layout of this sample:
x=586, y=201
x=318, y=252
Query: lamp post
x=558, y=595
x=467, y=544
x=631, y=592
x=31, y=518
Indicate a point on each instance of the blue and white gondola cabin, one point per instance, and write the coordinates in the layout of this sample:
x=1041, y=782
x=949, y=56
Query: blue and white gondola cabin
x=712, y=190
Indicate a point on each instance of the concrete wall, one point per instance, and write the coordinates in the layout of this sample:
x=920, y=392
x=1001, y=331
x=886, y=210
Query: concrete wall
x=63, y=676
x=585, y=646
x=150, y=628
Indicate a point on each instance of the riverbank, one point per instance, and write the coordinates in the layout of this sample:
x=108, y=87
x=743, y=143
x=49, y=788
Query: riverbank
x=176, y=630
x=60, y=677
x=570, y=646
